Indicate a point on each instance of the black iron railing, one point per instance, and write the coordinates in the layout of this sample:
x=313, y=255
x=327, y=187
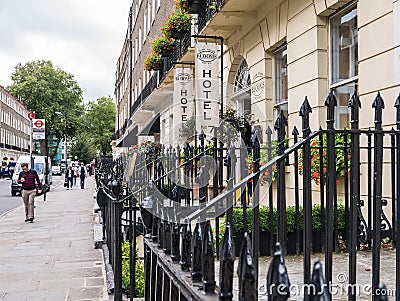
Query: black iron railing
x=179, y=207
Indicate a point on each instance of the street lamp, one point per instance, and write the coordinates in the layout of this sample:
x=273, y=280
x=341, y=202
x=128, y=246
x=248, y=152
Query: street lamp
x=65, y=135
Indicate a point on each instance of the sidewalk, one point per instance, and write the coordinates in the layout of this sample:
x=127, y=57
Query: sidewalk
x=53, y=258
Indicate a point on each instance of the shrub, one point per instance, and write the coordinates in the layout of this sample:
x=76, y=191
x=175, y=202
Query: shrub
x=139, y=279
x=237, y=219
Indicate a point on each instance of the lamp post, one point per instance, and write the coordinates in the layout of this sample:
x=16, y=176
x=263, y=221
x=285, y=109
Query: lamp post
x=65, y=135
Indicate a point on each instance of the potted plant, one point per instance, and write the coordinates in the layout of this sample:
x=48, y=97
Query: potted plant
x=153, y=62
x=177, y=25
x=163, y=46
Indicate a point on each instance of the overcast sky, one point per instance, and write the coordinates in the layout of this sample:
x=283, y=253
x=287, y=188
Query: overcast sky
x=82, y=37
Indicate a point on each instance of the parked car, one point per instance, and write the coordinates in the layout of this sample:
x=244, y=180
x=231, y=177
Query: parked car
x=56, y=170
x=39, y=166
x=7, y=171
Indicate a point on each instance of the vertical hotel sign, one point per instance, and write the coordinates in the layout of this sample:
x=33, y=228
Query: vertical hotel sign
x=207, y=86
x=183, y=100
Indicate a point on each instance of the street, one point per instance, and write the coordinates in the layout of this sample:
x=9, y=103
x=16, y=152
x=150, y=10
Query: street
x=8, y=202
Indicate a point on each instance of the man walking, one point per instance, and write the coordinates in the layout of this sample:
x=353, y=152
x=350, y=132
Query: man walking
x=27, y=178
x=82, y=175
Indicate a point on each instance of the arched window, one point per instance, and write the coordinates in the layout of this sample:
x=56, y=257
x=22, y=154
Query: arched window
x=242, y=78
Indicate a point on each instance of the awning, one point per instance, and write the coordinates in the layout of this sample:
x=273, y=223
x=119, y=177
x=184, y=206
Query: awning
x=153, y=127
x=130, y=139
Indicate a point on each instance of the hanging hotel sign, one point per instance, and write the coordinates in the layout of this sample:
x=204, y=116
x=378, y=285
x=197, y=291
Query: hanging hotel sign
x=183, y=108
x=207, y=86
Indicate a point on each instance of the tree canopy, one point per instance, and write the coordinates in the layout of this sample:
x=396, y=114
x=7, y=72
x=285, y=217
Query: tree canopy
x=100, y=122
x=46, y=90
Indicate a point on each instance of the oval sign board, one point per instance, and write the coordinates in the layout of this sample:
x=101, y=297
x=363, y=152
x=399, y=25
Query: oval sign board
x=31, y=115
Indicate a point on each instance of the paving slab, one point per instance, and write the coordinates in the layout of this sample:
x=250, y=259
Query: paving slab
x=54, y=257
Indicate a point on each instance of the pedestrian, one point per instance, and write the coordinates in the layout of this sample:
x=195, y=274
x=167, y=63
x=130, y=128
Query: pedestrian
x=82, y=175
x=69, y=177
x=27, y=178
x=76, y=175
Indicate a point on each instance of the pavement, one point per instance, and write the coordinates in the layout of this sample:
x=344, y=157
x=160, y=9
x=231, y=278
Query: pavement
x=54, y=257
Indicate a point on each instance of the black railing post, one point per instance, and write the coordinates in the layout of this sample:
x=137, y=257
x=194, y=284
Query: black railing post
x=378, y=105
x=305, y=111
x=256, y=204
x=295, y=134
x=118, y=242
x=318, y=288
x=278, y=283
x=226, y=265
x=230, y=163
x=175, y=255
x=270, y=195
x=197, y=256
x=279, y=126
x=397, y=202
x=331, y=103
x=247, y=272
x=203, y=177
x=355, y=106
x=243, y=173
x=186, y=246
x=208, y=267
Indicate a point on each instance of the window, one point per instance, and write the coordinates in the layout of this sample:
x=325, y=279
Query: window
x=344, y=61
x=144, y=27
x=281, y=82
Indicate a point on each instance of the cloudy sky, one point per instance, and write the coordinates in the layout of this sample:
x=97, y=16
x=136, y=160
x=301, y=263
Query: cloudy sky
x=82, y=37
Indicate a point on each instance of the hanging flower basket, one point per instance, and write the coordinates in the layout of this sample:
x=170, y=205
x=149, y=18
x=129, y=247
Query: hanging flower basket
x=153, y=62
x=182, y=5
x=163, y=46
x=177, y=25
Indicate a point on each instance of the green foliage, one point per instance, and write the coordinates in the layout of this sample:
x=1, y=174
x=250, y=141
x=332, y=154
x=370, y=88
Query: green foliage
x=179, y=21
x=45, y=90
x=315, y=158
x=237, y=219
x=264, y=159
x=152, y=62
x=188, y=128
x=162, y=44
x=99, y=121
x=139, y=279
x=83, y=148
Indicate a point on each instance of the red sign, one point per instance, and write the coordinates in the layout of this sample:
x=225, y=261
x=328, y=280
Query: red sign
x=38, y=123
x=31, y=115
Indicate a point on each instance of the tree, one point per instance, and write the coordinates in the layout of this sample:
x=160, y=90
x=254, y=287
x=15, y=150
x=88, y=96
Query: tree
x=100, y=120
x=45, y=90
x=83, y=148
